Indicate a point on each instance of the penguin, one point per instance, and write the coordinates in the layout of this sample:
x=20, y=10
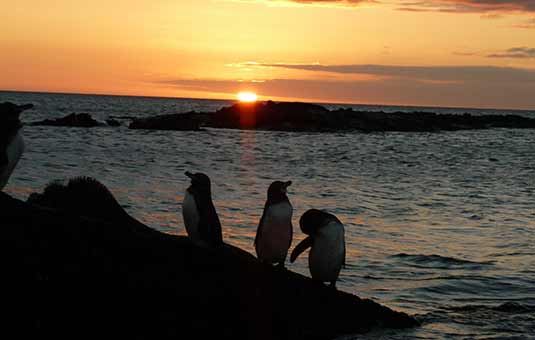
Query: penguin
x=275, y=231
x=326, y=237
x=11, y=141
x=200, y=217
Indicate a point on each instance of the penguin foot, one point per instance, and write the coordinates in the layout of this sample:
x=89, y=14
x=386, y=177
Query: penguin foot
x=280, y=265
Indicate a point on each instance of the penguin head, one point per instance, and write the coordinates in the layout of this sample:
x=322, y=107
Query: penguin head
x=277, y=191
x=199, y=181
x=313, y=220
x=10, y=112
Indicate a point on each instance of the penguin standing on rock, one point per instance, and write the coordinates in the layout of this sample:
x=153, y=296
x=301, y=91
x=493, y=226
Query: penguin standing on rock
x=200, y=217
x=275, y=231
x=326, y=237
x=11, y=142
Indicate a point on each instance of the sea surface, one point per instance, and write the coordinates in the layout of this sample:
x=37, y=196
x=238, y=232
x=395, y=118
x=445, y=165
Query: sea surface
x=439, y=225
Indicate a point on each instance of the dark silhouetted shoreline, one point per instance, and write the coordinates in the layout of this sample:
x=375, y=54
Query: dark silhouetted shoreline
x=315, y=118
x=89, y=277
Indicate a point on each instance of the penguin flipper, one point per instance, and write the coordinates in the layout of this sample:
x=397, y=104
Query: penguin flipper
x=300, y=248
x=344, y=259
x=260, y=226
x=209, y=225
x=259, y=229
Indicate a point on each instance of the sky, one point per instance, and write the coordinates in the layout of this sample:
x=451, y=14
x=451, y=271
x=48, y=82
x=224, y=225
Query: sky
x=454, y=53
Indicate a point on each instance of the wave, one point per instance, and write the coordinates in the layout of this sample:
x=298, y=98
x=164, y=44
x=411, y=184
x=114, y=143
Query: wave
x=438, y=261
x=507, y=307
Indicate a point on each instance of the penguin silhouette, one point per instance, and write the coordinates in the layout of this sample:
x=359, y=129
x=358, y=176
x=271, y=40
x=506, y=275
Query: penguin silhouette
x=11, y=141
x=200, y=217
x=275, y=231
x=327, y=241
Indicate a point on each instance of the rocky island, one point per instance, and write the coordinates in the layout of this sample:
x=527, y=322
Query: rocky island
x=305, y=117
x=78, y=267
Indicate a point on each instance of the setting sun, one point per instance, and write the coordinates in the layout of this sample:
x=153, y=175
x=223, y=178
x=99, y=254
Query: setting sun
x=247, y=97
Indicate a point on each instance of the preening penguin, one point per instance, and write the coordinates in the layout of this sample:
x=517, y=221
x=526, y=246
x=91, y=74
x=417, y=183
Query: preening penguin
x=200, y=217
x=275, y=231
x=11, y=141
x=326, y=237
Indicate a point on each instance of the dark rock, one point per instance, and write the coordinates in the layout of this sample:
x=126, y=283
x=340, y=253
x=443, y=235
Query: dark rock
x=180, y=121
x=315, y=118
x=123, y=117
x=72, y=120
x=72, y=269
x=271, y=116
x=113, y=122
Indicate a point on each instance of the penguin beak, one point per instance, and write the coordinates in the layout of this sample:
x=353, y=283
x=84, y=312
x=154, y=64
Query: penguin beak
x=189, y=174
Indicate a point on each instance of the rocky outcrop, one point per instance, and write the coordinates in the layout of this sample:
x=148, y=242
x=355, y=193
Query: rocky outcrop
x=315, y=118
x=88, y=272
x=113, y=122
x=72, y=120
x=189, y=121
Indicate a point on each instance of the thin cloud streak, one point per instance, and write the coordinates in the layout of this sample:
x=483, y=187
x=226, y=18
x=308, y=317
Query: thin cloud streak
x=424, y=73
x=516, y=52
x=449, y=6
x=317, y=3
x=479, y=94
x=327, y=2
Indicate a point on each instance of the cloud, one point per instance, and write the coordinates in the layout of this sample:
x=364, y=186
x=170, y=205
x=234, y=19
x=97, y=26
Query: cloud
x=422, y=73
x=466, y=86
x=516, y=52
x=470, y=6
x=320, y=3
x=453, y=6
x=341, y=2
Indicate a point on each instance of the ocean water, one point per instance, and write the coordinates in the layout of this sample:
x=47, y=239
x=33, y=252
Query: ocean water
x=439, y=225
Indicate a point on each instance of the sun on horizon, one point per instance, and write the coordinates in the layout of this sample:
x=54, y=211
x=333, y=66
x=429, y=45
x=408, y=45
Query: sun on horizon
x=247, y=97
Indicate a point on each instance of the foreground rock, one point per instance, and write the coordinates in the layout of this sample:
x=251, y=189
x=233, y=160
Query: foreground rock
x=316, y=118
x=72, y=120
x=111, y=276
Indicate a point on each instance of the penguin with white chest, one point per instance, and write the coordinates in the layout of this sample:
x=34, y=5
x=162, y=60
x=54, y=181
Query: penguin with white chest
x=275, y=231
x=327, y=241
x=11, y=141
x=200, y=217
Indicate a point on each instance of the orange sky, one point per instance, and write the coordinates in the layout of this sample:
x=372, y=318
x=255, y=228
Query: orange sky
x=478, y=53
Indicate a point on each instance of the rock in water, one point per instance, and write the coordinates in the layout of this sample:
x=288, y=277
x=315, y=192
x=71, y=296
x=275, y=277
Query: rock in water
x=189, y=121
x=72, y=120
x=113, y=122
x=315, y=118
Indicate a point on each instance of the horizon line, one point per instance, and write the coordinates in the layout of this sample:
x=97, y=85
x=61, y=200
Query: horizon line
x=235, y=100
